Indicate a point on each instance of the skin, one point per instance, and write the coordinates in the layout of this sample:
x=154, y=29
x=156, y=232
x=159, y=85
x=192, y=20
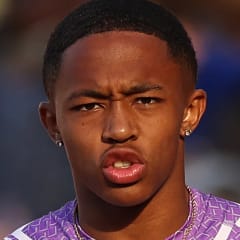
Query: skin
x=143, y=100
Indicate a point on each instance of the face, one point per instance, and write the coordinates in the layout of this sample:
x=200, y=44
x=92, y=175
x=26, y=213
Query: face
x=121, y=104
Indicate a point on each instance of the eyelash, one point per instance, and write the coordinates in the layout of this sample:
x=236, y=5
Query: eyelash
x=87, y=106
x=95, y=106
x=147, y=100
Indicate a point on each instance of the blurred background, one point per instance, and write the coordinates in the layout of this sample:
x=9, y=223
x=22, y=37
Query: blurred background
x=34, y=174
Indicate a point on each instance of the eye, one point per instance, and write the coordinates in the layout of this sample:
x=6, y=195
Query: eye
x=87, y=107
x=146, y=100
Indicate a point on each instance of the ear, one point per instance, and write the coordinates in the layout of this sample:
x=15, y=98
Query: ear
x=193, y=112
x=48, y=119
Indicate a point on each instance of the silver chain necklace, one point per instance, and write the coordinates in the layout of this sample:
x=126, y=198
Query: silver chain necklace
x=78, y=230
x=193, y=216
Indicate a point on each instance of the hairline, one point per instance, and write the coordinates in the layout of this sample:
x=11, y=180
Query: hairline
x=178, y=59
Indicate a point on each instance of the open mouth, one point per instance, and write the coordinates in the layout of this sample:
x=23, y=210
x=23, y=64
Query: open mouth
x=123, y=166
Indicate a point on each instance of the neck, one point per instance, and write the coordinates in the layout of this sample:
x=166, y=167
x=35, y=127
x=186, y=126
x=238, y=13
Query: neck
x=152, y=219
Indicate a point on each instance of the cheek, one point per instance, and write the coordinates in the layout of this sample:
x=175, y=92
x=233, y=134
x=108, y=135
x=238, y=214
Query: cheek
x=163, y=149
x=163, y=126
x=83, y=155
x=161, y=138
x=162, y=160
x=81, y=141
x=83, y=147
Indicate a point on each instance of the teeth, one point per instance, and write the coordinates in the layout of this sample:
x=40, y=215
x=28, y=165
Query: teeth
x=121, y=164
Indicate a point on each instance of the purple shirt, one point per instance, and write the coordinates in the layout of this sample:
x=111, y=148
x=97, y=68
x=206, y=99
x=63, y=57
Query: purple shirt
x=216, y=219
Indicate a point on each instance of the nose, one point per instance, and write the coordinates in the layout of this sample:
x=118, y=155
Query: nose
x=120, y=125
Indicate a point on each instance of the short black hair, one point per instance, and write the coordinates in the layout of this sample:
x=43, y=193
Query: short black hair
x=97, y=16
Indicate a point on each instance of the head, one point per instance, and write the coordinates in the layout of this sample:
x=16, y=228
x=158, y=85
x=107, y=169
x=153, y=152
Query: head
x=120, y=77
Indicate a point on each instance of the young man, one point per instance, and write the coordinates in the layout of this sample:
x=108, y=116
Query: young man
x=120, y=78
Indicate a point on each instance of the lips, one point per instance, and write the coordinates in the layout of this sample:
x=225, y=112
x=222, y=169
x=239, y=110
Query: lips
x=122, y=166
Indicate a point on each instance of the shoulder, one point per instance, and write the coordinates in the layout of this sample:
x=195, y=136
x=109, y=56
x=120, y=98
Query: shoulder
x=218, y=216
x=217, y=207
x=56, y=224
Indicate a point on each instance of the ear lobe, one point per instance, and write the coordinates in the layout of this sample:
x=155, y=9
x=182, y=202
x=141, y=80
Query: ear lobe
x=48, y=118
x=193, y=112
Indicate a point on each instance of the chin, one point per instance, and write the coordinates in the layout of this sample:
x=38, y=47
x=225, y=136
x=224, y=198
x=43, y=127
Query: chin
x=126, y=198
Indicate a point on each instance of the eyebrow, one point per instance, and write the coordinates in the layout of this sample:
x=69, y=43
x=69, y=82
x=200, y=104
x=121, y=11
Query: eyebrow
x=99, y=95
x=141, y=89
x=87, y=93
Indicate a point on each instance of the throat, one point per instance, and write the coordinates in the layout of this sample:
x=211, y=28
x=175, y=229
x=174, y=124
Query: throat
x=150, y=220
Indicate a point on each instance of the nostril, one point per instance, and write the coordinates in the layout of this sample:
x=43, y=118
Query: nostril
x=112, y=140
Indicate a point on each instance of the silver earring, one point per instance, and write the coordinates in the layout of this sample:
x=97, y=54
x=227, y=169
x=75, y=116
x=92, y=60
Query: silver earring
x=58, y=140
x=59, y=143
x=188, y=132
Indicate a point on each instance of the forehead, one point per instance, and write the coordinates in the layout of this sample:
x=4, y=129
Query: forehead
x=118, y=44
x=116, y=57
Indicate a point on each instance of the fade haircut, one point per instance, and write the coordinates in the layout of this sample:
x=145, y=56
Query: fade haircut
x=98, y=16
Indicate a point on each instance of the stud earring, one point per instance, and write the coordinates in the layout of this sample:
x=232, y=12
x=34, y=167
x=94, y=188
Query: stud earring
x=58, y=140
x=59, y=143
x=188, y=132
